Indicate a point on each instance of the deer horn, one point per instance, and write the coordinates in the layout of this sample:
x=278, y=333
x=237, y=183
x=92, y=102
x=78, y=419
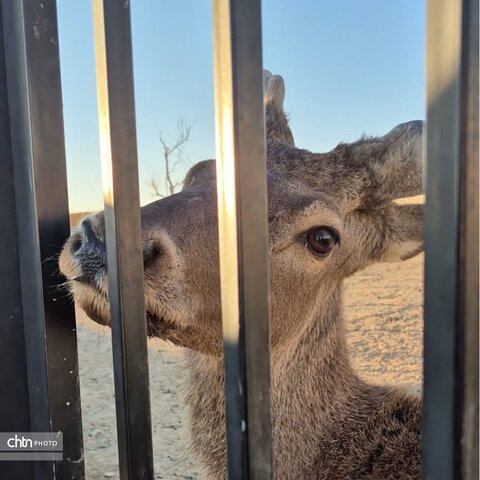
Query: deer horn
x=278, y=130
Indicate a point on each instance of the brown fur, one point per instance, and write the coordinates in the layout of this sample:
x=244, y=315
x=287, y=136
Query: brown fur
x=327, y=423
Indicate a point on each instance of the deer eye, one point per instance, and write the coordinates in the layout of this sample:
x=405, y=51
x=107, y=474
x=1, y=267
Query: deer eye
x=321, y=240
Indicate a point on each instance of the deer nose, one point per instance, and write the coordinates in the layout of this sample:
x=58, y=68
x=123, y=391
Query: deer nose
x=89, y=250
x=86, y=241
x=87, y=231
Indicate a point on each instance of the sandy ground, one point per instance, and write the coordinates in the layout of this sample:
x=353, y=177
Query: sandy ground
x=384, y=313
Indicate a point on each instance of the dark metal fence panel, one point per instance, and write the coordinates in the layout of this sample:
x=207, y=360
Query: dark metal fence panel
x=243, y=235
x=38, y=328
x=116, y=108
x=449, y=311
x=36, y=123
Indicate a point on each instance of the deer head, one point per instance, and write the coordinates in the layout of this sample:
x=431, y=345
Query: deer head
x=330, y=215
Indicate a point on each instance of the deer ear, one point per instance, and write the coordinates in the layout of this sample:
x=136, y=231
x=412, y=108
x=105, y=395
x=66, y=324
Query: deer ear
x=276, y=121
x=399, y=233
x=393, y=163
x=395, y=172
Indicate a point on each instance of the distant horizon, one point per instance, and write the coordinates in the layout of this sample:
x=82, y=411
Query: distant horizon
x=350, y=68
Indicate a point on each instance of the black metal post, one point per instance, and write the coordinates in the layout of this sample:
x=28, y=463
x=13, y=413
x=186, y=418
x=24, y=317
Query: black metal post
x=15, y=406
x=451, y=242
x=468, y=285
x=113, y=51
x=42, y=224
x=243, y=234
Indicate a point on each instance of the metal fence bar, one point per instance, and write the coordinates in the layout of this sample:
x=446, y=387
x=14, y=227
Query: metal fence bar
x=14, y=407
x=38, y=153
x=243, y=234
x=468, y=282
x=449, y=312
x=113, y=51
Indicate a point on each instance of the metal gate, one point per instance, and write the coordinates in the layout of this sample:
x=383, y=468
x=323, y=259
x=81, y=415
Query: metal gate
x=39, y=386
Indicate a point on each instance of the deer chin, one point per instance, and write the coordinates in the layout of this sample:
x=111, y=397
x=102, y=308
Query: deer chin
x=183, y=332
x=94, y=302
x=165, y=329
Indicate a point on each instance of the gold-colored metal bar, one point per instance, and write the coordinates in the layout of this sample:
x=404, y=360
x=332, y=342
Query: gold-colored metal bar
x=116, y=111
x=243, y=234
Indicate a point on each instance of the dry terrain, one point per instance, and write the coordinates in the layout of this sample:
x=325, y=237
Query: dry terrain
x=384, y=313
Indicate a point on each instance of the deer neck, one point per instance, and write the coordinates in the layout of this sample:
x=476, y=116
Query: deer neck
x=312, y=382
x=316, y=363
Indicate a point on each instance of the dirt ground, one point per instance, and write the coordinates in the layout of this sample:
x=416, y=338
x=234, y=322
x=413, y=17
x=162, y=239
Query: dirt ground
x=384, y=315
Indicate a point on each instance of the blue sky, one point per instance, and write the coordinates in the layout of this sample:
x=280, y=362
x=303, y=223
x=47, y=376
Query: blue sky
x=350, y=67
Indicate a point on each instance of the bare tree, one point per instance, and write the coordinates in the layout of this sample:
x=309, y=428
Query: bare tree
x=173, y=155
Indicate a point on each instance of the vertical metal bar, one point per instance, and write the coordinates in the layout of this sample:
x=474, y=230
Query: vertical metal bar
x=35, y=108
x=448, y=219
x=116, y=110
x=440, y=441
x=243, y=234
x=468, y=284
x=14, y=407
